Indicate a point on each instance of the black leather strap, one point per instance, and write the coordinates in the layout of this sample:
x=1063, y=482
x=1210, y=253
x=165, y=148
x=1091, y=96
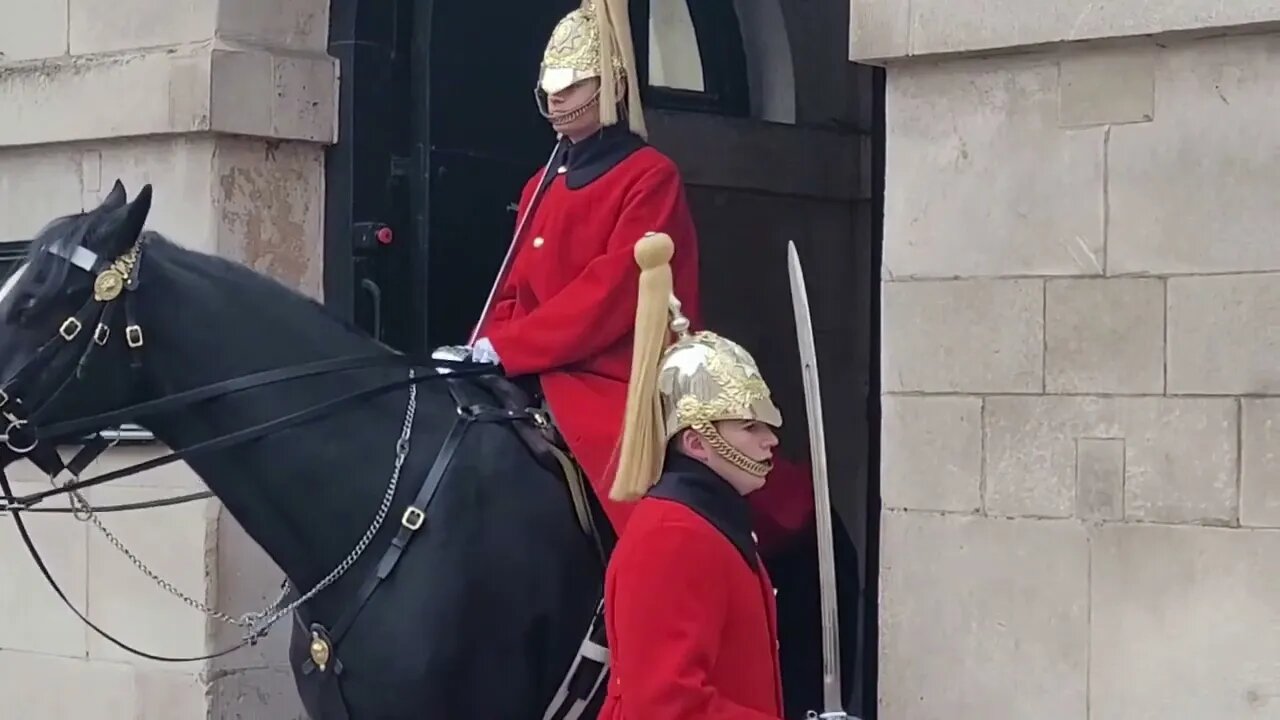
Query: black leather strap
x=412, y=520
x=44, y=570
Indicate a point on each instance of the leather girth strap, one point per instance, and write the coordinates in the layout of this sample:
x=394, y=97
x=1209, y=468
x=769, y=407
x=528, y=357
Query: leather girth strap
x=590, y=666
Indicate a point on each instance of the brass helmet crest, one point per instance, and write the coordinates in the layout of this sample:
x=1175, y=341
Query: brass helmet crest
x=594, y=41
x=700, y=379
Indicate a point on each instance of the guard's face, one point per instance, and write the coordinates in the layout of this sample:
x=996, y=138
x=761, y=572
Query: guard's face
x=752, y=438
x=575, y=111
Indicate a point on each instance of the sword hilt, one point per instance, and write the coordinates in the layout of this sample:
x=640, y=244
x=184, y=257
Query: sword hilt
x=833, y=715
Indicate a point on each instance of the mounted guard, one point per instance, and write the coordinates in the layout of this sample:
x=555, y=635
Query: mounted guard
x=559, y=314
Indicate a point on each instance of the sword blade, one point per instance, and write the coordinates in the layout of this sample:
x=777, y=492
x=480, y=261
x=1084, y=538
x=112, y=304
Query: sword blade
x=538, y=190
x=831, y=693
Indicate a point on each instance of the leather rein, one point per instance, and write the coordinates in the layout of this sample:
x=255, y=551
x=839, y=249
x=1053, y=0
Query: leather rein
x=25, y=437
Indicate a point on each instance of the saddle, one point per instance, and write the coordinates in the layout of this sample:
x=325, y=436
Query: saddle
x=544, y=441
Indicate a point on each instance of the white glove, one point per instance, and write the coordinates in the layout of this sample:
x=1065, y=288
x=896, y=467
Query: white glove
x=455, y=353
x=483, y=352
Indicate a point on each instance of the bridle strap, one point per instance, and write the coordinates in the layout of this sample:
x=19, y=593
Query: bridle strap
x=48, y=576
x=178, y=401
x=18, y=503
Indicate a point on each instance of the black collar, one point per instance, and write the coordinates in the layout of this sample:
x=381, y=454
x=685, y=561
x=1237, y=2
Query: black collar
x=587, y=160
x=696, y=486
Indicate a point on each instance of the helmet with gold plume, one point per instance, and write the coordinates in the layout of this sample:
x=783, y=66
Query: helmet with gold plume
x=700, y=379
x=594, y=41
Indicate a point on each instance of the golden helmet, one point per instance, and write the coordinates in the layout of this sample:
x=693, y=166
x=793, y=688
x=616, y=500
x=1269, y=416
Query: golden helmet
x=700, y=379
x=586, y=42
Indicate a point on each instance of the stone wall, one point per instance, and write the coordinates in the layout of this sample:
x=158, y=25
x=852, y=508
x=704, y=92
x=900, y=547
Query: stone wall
x=224, y=106
x=1081, y=285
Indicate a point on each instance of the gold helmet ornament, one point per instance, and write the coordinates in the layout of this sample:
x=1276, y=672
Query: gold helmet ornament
x=700, y=379
x=593, y=41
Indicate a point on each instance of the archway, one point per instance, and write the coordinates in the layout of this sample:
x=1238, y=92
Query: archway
x=764, y=163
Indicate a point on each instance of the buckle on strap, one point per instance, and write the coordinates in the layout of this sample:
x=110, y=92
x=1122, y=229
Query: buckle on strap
x=133, y=335
x=413, y=518
x=70, y=329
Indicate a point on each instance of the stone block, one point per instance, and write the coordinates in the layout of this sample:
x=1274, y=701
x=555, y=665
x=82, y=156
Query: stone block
x=35, y=620
x=174, y=544
x=1221, y=335
x=295, y=24
x=36, y=186
x=279, y=96
x=981, y=179
x=255, y=693
x=1104, y=336
x=269, y=203
x=44, y=687
x=945, y=26
x=101, y=26
x=1100, y=478
x=1002, y=629
x=32, y=30
x=1180, y=455
x=1184, y=623
x=969, y=336
x=168, y=695
x=878, y=30
x=1260, y=462
x=177, y=168
x=932, y=454
x=169, y=91
x=78, y=98
x=1107, y=86
x=1191, y=192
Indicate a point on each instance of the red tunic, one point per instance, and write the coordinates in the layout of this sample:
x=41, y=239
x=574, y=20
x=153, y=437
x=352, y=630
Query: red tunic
x=690, y=611
x=567, y=309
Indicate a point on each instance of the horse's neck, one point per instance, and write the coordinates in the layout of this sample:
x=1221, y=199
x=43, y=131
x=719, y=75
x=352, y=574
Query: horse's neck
x=305, y=494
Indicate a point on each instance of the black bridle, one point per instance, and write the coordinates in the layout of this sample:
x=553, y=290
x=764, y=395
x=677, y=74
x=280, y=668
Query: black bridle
x=115, y=283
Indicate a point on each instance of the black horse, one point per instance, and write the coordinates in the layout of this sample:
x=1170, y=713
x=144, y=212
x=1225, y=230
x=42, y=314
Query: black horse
x=486, y=608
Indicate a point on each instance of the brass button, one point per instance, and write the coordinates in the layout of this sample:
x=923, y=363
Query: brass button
x=562, y=170
x=537, y=242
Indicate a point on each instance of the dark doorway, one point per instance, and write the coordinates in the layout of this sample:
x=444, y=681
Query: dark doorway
x=438, y=131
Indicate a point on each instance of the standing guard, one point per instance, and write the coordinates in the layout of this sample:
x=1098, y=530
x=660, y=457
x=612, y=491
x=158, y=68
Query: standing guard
x=689, y=607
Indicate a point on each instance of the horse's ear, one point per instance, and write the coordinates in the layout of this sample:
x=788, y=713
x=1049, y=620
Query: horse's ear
x=135, y=217
x=114, y=199
x=125, y=224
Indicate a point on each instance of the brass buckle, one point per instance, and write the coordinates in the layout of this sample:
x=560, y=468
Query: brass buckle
x=133, y=334
x=413, y=518
x=70, y=329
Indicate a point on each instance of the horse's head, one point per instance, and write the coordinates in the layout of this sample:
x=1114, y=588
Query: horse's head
x=64, y=318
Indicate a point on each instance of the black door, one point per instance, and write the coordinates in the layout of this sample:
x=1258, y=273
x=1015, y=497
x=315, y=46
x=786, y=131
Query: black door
x=439, y=132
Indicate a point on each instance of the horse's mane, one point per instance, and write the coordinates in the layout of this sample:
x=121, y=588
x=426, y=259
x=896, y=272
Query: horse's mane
x=222, y=275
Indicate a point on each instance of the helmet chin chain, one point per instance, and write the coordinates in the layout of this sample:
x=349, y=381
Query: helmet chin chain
x=571, y=115
x=735, y=456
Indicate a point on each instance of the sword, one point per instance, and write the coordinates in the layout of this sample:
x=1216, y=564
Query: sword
x=832, y=701
x=538, y=190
